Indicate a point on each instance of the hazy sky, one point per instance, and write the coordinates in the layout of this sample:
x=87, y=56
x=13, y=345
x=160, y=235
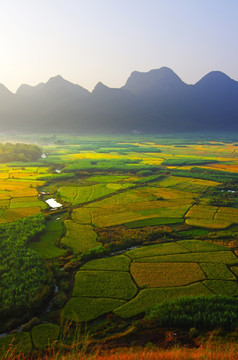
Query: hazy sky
x=87, y=41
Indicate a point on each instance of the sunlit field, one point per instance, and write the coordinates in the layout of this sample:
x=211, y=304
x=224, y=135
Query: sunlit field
x=140, y=222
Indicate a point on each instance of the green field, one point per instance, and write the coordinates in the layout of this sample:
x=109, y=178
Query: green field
x=83, y=194
x=86, y=309
x=45, y=245
x=144, y=219
x=160, y=272
x=118, y=263
x=79, y=237
x=104, y=284
x=147, y=298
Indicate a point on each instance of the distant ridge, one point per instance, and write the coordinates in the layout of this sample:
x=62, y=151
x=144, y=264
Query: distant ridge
x=154, y=101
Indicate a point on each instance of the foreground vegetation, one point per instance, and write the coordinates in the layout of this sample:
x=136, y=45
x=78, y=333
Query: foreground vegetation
x=23, y=274
x=139, y=222
x=211, y=352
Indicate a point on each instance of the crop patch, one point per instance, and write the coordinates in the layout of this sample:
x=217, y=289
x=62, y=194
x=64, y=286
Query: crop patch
x=111, y=284
x=165, y=274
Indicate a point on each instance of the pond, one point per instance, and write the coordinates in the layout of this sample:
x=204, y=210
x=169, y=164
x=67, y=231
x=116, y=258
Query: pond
x=53, y=203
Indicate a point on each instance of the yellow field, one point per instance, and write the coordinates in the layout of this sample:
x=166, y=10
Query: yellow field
x=189, y=182
x=16, y=188
x=223, y=167
x=211, y=216
x=81, y=215
x=111, y=211
x=202, y=212
x=227, y=214
x=166, y=274
x=16, y=214
x=210, y=224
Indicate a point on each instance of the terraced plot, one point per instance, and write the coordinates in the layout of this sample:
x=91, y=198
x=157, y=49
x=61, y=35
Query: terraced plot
x=107, y=178
x=140, y=207
x=187, y=184
x=82, y=194
x=157, y=250
x=88, y=308
x=165, y=274
x=46, y=246
x=224, y=257
x=79, y=237
x=81, y=215
x=147, y=298
x=16, y=214
x=212, y=216
x=29, y=201
x=117, y=263
x=104, y=284
x=148, y=275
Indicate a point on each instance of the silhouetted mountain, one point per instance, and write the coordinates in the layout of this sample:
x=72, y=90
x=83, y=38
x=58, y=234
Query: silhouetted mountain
x=156, y=101
x=156, y=82
x=4, y=92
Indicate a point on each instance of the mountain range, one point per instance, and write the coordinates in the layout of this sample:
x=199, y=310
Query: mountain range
x=152, y=102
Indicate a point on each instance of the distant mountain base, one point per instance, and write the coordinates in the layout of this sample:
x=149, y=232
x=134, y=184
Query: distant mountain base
x=152, y=102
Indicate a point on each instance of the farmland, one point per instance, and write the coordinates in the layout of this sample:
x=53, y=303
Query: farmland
x=159, y=272
x=140, y=221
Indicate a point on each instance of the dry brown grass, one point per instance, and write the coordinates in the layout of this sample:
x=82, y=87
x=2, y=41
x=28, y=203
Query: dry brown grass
x=208, y=352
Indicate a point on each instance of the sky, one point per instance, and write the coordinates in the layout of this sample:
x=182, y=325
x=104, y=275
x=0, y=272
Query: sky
x=87, y=41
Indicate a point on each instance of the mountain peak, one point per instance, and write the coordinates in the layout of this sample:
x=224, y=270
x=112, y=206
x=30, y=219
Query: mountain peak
x=57, y=84
x=214, y=78
x=28, y=90
x=100, y=87
x=157, y=80
x=58, y=79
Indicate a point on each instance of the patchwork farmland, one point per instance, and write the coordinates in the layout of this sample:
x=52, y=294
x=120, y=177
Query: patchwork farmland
x=138, y=223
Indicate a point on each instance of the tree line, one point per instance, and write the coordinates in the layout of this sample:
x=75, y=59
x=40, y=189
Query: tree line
x=19, y=152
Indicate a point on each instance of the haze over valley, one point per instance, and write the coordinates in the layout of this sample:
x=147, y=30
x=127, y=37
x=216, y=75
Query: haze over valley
x=155, y=101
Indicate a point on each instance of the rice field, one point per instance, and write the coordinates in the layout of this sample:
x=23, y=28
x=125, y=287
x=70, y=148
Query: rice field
x=217, y=271
x=79, y=237
x=46, y=245
x=113, y=263
x=157, y=250
x=211, y=216
x=152, y=275
x=145, y=276
x=16, y=214
x=82, y=215
x=83, y=309
x=147, y=298
x=188, y=184
x=224, y=257
x=128, y=191
x=104, y=284
x=145, y=205
x=83, y=194
x=24, y=202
